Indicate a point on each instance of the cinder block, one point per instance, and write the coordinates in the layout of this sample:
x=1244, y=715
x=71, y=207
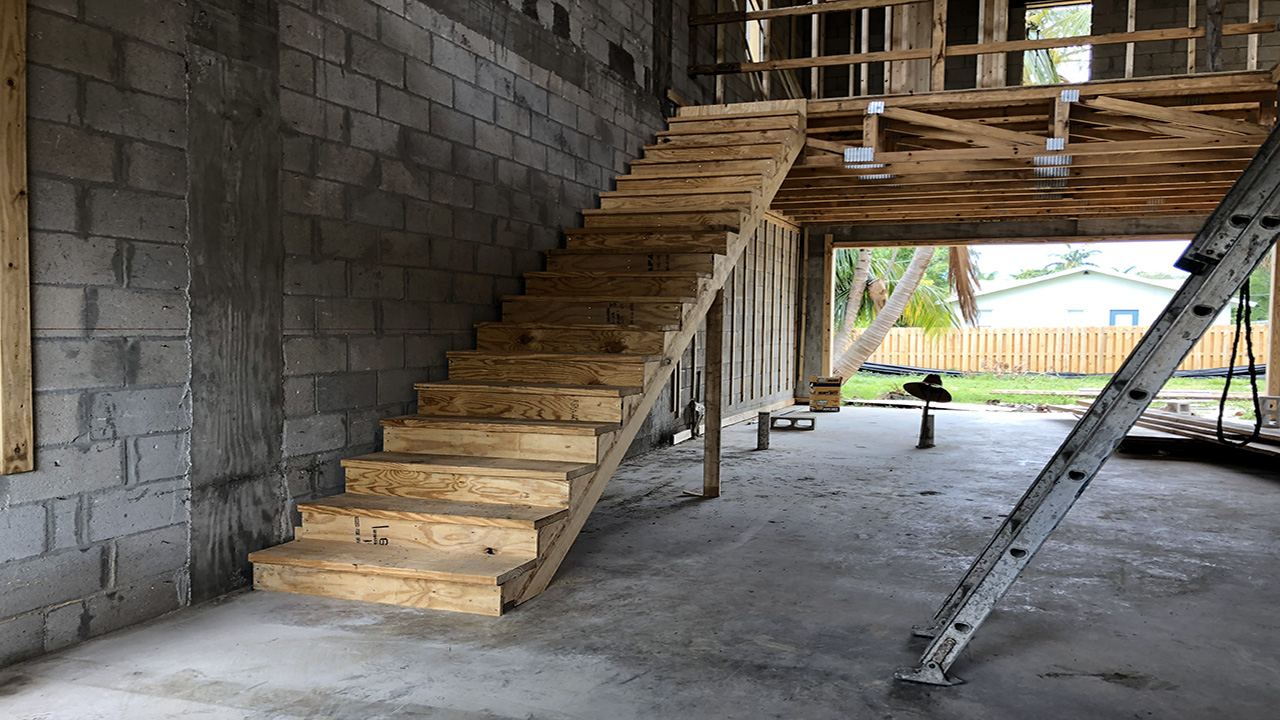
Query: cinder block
x=71, y=45
x=454, y=60
x=374, y=133
x=376, y=353
x=376, y=207
x=50, y=580
x=403, y=108
x=151, y=554
x=311, y=116
x=129, y=510
x=429, y=350
x=53, y=206
x=52, y=95
x=299, y=396
x=297, y=69
x=455, y=126
x=66, y=471
x=452, y=317
x=136, y=312
x=475, y=289
x=298, y=235
x=57, y=417
x=68, y=259
x=156, y=267
x=453, y=190
x=474, y=101
x=130, y=605
x=317, y=433
x=136, y=115
x=530, y=96
x=348, y=240
x=137, y=216
x=375, y=60
x=304, y=276
x=340, y=315
x=409, y=180
x=403, y=316
x=396, y=386
x=346, y=164
x=345, y=391
x=312, y=196
x=365, y=430
x=299, y=315
x=408, y=249
x=403, y=36
x=343, y=87
x=66, y=524
x=157, y=362
x=360, y=17
x=152, y=70
x=21, y=638
x=309, y=356
x=376, y=281
x=156, y=168
x=157, y=21
x=22, y=532
x=66, y=7
x=71, y=151
x=158, y=457
x=429, y=150
x=301, y=30
x=77, y=364
x=123, y=413
x=496, y=80
x=431, y=285
x=426, y=81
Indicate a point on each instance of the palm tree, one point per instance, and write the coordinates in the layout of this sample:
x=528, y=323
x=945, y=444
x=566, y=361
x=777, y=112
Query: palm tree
x=1046, y=66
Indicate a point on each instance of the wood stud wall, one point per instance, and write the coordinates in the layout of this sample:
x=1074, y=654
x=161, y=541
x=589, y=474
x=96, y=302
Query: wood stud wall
x=16, y=432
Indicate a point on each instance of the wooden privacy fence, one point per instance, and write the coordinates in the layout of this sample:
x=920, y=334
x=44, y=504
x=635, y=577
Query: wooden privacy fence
x=1061, y=349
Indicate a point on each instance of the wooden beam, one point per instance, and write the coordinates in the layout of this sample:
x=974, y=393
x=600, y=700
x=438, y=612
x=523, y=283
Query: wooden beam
x=828, y=299
x=1175, y=116
x=17, y=434
x=714, y=394
x=981, y=134
x=1131, y=25
x=739, y=16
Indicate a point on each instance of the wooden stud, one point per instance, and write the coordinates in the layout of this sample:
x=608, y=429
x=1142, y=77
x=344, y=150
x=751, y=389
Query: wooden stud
x=1192, y=23
x=828, y=299
x=993, y=27
x=1213, y=35
x=17, y=433
x=1131, y=25
x=1252, y=63
x=795, y=11
x=1273, y=352
x=815, y=45
x=938, y=62
x=714, y=397
x=865, y=68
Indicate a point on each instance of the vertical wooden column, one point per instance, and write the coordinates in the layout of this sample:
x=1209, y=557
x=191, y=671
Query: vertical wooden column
x=1253, y=39
x=720, y=55
x=1191, y=42
x=766, y=38
x=815, y=47
x=1213, y=35
x=714, y=397
x=864, y=74
x=17, y=441
x=1131, y=24
x=1273, y=350
x=993, y=26
x=938, y=58
x=828, y=300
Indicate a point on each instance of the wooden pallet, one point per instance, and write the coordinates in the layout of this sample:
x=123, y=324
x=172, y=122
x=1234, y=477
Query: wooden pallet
x=477, y=498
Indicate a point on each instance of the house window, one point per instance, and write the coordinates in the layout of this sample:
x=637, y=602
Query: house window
x=1125, y=318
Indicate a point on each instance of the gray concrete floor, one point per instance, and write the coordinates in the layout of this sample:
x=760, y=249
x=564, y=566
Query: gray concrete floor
x=789, y=597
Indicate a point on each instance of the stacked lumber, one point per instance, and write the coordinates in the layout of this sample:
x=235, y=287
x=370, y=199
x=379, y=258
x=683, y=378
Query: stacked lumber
x=475, y=500
x=1198, y=428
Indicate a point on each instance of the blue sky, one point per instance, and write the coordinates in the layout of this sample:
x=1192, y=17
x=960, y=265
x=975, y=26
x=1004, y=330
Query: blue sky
x=1152, y=256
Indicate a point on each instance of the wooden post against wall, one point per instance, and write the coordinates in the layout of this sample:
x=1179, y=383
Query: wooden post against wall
x=828, y=300
x=938, y=60
x=993, y=26
x=1191, y=42
x=1131, y=25
x=1253, y=39
x=815, y=48
x=1273, y=351
x=714, y=394
x=1213, y=35
x=17, y=439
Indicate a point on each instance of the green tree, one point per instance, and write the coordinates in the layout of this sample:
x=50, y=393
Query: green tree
x=1045, y=67
x=1069, y=259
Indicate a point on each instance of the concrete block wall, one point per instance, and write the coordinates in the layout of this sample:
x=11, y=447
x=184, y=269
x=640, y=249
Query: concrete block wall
x=1169, y=57
x=432, y=153
x=254, y=227
x=96, y=538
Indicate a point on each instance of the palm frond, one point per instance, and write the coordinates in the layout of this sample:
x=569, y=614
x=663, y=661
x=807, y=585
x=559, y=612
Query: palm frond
x=965, y=281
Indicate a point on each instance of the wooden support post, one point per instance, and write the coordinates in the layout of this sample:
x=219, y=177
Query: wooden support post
x=763, y=421
x=720, y=56
x=828, y=299
x=766, y=38
x=714, y=394
x=1191, y=42
x=1273, y=351
x=865, y=68
x=993, y=26
x=1253, y=39
x=17, y=441
x=938, y=60
x=1131, y=25
x=815, y=43
x=1061, y=120
x=1213, y=35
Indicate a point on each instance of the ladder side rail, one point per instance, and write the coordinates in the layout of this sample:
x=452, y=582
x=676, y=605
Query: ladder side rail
x=1233, y=241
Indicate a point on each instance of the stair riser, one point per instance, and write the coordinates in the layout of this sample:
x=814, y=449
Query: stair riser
x=677, y=153
x=466, y=403
x=543, y=371
x=460, y=487
x=683, y=126
x=481, y=443
x=642, y=242
x=596, y=313
x=668, y=203
x=721, y=218
x=688, y=258
x=460, y=538
x=724, y=139
x=632, y=286
x=632, y=183
x=514, y=337
x=409, y=592
x=642, y=168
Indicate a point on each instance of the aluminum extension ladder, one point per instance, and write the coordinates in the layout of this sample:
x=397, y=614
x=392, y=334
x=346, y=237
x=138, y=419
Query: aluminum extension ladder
x=1233, y=241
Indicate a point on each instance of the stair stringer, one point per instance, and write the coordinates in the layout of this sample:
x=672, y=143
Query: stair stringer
x=532, y=583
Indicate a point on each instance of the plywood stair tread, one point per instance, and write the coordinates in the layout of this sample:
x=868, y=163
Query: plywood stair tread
x=467, y=464
x=396, y=561
x=611, y=274
x=598, y=298
x=436, y=511
x=699, y=230
x=553, y=356
x=547, y=427
x=580, y=326
x=610, y=391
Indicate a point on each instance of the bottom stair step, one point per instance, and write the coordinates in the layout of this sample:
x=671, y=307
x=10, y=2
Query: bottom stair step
x=411, y=577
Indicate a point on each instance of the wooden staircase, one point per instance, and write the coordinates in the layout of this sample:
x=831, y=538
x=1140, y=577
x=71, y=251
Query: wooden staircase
x=475, y=500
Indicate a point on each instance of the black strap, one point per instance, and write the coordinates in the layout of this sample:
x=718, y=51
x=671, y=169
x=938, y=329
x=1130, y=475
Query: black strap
x=1242, y=323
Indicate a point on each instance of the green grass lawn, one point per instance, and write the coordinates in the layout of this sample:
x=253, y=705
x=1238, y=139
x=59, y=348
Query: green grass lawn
x=977, y=389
